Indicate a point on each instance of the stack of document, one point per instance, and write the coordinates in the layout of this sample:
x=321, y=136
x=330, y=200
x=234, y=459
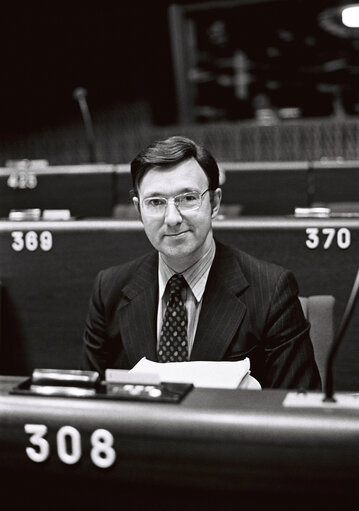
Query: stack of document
x=207, y=374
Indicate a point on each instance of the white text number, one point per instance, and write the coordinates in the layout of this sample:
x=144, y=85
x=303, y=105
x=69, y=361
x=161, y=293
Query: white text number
x=31, y=241
x=341, y=237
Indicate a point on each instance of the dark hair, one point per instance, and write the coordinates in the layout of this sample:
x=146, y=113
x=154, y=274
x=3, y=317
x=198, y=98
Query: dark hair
x=171, y=151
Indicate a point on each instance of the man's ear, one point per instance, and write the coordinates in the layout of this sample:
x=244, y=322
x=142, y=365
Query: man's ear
x=136, y=203
x=216, y=202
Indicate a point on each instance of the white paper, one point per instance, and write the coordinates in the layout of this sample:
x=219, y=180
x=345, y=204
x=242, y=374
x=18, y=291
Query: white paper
x=125, y=376
x=208, y=374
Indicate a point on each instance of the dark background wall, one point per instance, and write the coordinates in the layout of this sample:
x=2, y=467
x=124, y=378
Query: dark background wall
x=120, y=53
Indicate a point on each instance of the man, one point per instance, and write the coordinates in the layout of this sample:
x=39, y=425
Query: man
x=194, y=298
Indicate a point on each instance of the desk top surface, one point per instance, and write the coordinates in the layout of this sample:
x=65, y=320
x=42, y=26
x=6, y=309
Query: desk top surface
x=240, y=223
x=219, y=409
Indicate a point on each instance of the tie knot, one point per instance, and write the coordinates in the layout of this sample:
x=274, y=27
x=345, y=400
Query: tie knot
x=176, y=283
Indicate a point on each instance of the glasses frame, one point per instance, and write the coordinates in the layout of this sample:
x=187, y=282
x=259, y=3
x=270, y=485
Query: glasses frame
x=173, y=200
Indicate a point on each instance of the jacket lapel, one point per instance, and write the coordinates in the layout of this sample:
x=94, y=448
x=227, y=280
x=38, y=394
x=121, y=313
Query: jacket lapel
x=138, y=312
x=221, y=314
x=222, y=310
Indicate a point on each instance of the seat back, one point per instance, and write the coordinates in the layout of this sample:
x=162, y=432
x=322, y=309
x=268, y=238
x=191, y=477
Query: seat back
x=319, y=311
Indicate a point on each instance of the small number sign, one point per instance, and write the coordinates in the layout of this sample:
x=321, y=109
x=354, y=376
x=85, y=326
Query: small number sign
x=328, y=237
x=69, y=445
x=31, y=241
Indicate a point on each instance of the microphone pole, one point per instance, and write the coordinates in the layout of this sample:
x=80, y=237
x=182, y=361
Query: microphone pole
x=80, y=95
x=349, y=309
x=310, y=188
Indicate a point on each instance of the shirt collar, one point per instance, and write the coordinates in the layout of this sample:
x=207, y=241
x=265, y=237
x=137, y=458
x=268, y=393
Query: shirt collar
x=196, y=275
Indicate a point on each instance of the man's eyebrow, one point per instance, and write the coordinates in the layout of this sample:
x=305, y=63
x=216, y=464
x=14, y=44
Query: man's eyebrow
x=161, y=194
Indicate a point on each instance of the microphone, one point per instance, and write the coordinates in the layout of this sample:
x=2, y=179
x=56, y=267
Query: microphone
x=349, y=309
x=80, y=95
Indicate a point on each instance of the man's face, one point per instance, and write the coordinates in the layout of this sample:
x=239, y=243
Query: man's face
x=182, y=237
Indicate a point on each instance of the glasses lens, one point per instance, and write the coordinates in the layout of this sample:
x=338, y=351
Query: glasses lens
x=187, y=201
x=155, y=205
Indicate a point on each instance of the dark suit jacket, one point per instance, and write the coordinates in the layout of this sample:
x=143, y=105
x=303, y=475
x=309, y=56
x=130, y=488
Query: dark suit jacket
x=250, y=309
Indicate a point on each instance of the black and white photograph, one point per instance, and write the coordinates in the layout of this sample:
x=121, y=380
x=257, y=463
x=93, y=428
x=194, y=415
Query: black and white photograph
x=179, y=255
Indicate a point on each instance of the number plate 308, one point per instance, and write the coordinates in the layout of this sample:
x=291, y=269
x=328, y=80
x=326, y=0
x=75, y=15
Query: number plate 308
x=69, y=445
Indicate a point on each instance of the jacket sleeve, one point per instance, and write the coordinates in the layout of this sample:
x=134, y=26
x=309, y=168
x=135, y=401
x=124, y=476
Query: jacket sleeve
x=94, y=350
x=289, y=355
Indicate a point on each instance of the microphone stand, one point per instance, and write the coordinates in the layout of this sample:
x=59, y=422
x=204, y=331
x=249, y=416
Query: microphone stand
x=310, y=185
x=328, y=386
x=80, y=95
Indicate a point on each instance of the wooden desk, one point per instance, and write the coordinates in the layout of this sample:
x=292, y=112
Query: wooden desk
x=227, y=445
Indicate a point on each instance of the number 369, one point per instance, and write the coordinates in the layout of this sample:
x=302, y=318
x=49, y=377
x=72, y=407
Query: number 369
x=31, y=241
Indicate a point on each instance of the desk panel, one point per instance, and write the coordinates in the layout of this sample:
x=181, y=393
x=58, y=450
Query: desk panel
x=269, y=188
x=336, y=181
x=261, y=189
x=236, y=443
x=274, y=188
x=86, y=190
x=46, y=291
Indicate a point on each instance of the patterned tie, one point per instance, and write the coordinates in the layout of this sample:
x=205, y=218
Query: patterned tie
x=173, y=345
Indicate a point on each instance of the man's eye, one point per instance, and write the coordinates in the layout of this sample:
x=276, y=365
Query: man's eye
x=156, y=202
x=189, y=197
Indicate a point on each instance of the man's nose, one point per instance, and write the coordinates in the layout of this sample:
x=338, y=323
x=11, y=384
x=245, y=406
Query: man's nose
x=172, y=214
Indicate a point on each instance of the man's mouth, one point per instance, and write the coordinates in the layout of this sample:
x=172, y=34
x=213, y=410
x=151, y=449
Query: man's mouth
x=175, y=234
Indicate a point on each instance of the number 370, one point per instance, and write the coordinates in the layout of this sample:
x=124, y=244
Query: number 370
x=341, y=237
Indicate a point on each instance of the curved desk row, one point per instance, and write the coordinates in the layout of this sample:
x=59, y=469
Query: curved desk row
x=260, y=188
x=215, y=444
x=47, y=271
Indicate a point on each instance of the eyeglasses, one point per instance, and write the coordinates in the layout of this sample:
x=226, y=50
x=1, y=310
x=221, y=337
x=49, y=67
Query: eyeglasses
x=189, y=201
